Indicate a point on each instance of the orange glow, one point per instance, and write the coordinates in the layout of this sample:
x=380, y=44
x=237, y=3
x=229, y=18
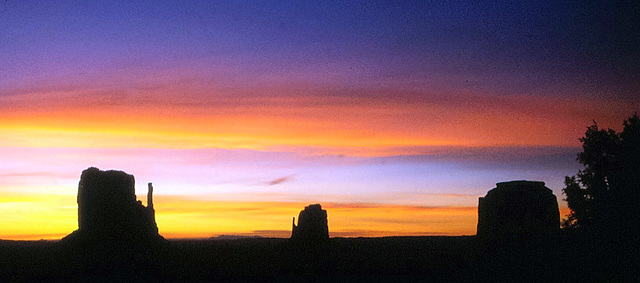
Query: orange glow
x=32, y=217
x=389, y=220
x=363, y=126
x=273, y=219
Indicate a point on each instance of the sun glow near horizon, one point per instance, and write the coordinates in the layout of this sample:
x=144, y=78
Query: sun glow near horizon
x=53, y=217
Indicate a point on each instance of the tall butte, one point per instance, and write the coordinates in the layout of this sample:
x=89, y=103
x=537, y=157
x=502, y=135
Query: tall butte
x=109, y=211
x=312, y=225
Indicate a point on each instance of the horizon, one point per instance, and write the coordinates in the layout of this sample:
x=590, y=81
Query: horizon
x=395, y=117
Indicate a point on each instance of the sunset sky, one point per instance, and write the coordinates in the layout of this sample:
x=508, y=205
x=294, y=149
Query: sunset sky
x=394, y=115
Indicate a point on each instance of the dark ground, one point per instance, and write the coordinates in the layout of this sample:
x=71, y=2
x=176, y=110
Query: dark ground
x=563, y=258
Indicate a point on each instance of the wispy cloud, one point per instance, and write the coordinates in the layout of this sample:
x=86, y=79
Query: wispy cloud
x=279, y=180
x=549, y=157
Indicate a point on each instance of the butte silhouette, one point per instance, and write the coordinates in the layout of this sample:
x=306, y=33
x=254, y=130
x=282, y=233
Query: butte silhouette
x=109, y=212
x=518, y=208
x=312, y=225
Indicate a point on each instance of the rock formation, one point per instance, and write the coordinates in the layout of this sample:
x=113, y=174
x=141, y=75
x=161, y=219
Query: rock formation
x=312, y=225
x=518, y=208
x=108, y=209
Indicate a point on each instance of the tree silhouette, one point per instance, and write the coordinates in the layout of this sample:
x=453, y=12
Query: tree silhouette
x=605, y=195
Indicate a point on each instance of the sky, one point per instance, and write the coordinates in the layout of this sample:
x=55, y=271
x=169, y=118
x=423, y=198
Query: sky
x=394, y=115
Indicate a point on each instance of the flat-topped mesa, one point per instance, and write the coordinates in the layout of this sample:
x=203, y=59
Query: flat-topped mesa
x=518, y=208
x=108, y=209
x=312, y=225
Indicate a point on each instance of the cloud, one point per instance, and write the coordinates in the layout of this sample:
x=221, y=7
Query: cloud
x=279, y=180
x=509, y=157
